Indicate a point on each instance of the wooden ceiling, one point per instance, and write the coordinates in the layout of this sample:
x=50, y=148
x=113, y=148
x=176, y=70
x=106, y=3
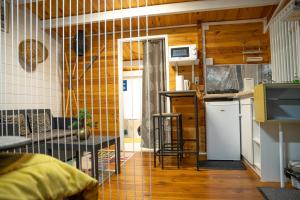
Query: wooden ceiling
x=135, y=23
x=179, y=19
x=84, y=6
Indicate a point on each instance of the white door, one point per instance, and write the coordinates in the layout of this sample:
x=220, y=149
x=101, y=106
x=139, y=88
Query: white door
x=132, y=98
x=223, y=134
x=246, y=129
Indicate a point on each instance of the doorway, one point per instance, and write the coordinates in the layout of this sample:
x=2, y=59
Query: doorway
x=131, y=67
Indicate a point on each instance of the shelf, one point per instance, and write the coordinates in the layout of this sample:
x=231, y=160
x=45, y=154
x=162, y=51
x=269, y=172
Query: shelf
x=256, y=140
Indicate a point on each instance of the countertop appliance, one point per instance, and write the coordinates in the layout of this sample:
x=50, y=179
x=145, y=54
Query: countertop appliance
x=183, y=55
x=223, y=130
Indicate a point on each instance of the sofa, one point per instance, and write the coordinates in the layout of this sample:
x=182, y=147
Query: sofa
x=36, y=124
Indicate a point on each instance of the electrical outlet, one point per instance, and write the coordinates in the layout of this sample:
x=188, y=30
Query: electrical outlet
x=197, y=80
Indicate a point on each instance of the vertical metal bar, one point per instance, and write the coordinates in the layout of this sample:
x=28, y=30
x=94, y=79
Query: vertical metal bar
x=5, y=72
x=115, y=104
x=2, y=103
x=297, y=50
x=44, y=82
x=77, y=87
x=131, y=85
x=100, y=99
x=197, y=130
x=50, y=56
x=95, y=171
x=283, y=72
x=106, y=88
x=64, y=103
x=281, y=159
x=12, y=60
x=125, y=173
x=280, y=51
x=141, y=89
x=286, y=57
x=273, y=63
x=25, y=72
x=290, y=52
x=70, y=86
x=275, y=53
x=148, y=97
x=56, y=80
x=31, y=76
x=36, y=78
x=18, y=57
x=293, y=47
x=84, y=77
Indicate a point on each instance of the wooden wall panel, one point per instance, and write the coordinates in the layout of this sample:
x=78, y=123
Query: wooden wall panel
x=225, y=43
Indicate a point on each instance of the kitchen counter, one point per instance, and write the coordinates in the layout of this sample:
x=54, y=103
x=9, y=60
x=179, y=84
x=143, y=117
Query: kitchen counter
x=239, y=95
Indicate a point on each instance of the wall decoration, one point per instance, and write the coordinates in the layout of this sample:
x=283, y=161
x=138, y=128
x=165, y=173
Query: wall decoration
x=31, y=53
x=4, y=13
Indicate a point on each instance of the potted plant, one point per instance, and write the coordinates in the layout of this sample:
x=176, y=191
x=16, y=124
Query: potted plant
x=84, y=124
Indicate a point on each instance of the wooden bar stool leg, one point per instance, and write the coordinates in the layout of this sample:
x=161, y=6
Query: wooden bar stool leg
x=181, y=137
x=159, y=139
x=178, y=141
x=154, y=141
x=162, y=141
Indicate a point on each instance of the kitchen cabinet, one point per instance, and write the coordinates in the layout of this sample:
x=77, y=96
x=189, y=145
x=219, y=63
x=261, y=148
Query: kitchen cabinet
x=279, y=102
x=250, y=135
x=276, y=102
x=246, y=110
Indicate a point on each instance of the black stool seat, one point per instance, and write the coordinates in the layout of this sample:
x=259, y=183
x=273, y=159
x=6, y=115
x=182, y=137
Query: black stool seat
x=167, y=115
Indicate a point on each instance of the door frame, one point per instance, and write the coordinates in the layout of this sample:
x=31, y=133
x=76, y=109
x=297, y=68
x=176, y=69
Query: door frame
x=120, y=73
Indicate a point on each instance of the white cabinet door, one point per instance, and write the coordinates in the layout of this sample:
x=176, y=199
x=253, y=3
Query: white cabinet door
x=223, y=130
x=246, y=129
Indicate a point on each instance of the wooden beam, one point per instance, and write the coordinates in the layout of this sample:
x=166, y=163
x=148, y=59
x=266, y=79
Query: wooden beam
x=157, y=10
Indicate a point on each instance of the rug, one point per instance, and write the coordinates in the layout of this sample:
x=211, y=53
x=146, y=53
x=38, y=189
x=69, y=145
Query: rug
x=279, y=193
x=221, y=165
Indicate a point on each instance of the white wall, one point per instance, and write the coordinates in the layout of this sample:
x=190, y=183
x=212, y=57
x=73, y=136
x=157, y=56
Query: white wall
x=25, y=90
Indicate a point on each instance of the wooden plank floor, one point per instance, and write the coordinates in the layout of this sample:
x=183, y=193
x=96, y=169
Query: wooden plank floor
x=140, y=181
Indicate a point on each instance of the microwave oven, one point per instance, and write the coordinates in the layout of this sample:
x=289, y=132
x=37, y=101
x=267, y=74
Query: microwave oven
x=183, y=54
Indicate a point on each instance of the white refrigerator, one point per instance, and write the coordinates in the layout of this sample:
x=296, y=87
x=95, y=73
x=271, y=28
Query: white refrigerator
x=223, y=130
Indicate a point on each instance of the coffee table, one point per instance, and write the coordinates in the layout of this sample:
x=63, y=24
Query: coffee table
x=93, y=144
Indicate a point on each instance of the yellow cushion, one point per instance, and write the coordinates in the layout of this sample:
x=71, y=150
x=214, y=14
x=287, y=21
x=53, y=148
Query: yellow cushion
x=37, y=176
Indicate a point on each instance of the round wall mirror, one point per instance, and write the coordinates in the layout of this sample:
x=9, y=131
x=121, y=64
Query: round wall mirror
x=31, y=53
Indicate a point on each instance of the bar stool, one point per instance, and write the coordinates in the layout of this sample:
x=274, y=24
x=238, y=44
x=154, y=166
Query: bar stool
x=175, y=148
